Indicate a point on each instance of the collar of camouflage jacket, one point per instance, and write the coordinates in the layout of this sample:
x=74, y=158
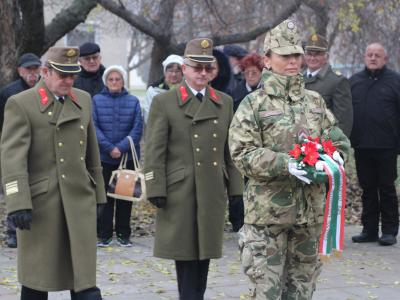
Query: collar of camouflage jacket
x=290, y=88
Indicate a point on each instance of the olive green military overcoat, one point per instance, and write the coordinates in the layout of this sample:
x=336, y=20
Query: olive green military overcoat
x=50, y=164
x=335, y=89
x=187, y=160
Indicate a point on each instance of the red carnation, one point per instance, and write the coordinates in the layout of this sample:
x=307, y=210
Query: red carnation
x=328, y=147
x=311, y=158
x=310, y=147
x=296, y=151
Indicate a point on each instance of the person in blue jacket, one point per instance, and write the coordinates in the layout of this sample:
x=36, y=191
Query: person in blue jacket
x=116, y=115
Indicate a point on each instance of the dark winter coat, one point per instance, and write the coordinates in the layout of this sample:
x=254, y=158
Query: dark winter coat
x=224, y=81
x=376, y=107
x=115, y=116
x=90, y=82
x=13, y=88
x=239, y=93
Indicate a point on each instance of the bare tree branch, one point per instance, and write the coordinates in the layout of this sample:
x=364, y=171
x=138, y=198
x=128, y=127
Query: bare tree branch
x=137, y=21
x=66, y=20
x=254, y=33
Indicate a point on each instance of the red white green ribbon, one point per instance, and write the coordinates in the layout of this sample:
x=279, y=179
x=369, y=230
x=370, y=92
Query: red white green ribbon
x=332, y=235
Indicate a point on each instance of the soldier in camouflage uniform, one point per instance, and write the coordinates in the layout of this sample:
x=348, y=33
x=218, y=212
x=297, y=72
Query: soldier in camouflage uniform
x=283, y=214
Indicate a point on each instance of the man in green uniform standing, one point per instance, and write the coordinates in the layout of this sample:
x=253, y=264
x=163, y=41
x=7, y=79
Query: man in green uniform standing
x=332, y=86
x=189, y=172
x=283, y=209
x=52, y=181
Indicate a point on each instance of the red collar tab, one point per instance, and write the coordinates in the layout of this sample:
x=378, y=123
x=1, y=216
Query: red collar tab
x=72, y=96
x=213, y=95
x=43, y=96
x=184, y=93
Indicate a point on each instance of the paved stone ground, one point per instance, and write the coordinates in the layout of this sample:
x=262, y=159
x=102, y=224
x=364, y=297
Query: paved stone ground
x=366, y=271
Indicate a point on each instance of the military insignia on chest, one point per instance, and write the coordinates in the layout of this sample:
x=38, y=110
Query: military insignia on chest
x=303, y=134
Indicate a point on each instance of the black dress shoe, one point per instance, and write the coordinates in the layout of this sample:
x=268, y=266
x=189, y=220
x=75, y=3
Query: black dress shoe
x=12, y=241
x=387, y=240
x=364, y=238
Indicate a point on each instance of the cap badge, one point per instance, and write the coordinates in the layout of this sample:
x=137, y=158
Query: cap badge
x=205, y=44
x=314, y=38
x=71, y=52
x=290, y=25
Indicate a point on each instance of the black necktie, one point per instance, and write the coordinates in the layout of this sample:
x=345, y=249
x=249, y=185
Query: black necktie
x=199, y=96
x=61, y=99
x=309, y=75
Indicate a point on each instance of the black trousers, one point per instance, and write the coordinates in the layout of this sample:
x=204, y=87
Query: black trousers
x=89, y=294
x=377, y=171
x=123, y=210
x=192, y=278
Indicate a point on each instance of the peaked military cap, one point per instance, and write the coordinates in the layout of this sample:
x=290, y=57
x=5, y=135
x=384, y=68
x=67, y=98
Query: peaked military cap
x=200, y=50
x=64, y=59
x=284, y=39
x=317, y=42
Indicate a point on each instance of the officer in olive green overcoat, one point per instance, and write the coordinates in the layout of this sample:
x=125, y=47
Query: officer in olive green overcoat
x=188, y=170
x=52, y=181
x=332, y=86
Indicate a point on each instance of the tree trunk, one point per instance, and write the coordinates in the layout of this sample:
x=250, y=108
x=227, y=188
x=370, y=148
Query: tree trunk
x=10, y=25
x=158, y=54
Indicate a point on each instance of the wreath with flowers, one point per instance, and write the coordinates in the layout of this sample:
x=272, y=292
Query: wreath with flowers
x=308, y=155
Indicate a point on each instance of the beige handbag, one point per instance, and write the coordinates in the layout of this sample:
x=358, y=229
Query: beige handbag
x=126, y=184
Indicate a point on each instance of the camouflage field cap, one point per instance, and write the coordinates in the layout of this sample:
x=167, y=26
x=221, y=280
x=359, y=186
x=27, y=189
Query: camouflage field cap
x=200, y=50
x=64, y=59
x=284, y=39
x=317, y=42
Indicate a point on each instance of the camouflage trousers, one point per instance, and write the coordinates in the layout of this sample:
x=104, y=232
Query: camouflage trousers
x=280, y=260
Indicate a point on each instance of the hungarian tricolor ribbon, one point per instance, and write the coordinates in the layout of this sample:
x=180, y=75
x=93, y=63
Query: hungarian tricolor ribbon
x=332, y=235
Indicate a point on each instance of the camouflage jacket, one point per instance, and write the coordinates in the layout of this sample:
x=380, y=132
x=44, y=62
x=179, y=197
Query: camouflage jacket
x=266, y=126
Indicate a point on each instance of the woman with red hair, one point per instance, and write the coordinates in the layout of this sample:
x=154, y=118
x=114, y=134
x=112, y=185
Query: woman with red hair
x=252, y=66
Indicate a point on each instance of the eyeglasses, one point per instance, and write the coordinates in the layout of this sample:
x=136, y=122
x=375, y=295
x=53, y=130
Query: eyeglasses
x=200, y=68
x=252, y=73
x=91, y=57
x=315, y=54
x=174, y=71
x=116, y=79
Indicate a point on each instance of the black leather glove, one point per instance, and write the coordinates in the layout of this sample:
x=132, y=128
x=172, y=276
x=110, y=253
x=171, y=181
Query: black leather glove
x=236, y=212
x=100, y=209
x=159, y=202
x=22, y=219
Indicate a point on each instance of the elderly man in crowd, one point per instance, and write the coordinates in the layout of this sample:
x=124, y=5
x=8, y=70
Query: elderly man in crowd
x=331, y=85
x=90, y=78
x=376, y=139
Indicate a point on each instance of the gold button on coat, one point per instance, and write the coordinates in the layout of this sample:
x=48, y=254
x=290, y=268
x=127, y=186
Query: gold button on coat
x=60, y=144
x=81, y=142
x=199, y=163
x=50, y=113
x=214, y=135
x=214, y=149
x=196, y=136
x=215, y=163
x=62, y=160
x=63, y=176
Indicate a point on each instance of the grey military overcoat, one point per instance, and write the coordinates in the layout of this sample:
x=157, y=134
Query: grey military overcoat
x=50, y=164
x=335, y=89
x=187, y=161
